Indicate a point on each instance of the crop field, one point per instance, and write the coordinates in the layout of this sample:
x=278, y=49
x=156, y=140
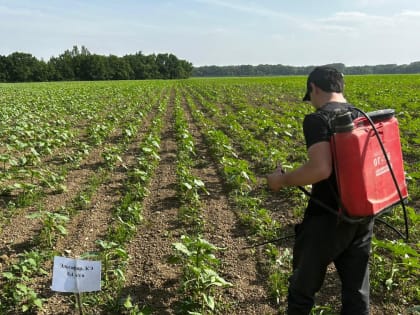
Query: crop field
x=163, y=182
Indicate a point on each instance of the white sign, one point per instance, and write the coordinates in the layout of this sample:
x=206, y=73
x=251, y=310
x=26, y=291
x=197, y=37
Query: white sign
x=75, y=275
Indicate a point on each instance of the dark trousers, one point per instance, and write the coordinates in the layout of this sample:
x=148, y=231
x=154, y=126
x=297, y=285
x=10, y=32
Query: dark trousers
x=323, y=239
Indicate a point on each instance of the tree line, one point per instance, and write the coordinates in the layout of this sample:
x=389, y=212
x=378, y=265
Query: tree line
x=275, y=70
x=81, y=65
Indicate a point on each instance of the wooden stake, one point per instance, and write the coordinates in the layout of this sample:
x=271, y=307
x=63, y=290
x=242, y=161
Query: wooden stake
x=79, y=302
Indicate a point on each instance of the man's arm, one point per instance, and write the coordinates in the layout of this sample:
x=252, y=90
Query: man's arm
x=317, y=168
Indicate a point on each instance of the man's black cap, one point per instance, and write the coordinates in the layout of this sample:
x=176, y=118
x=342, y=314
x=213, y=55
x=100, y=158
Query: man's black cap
x=327, y=79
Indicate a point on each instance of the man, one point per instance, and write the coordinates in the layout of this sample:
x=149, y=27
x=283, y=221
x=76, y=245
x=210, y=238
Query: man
x=323, y=237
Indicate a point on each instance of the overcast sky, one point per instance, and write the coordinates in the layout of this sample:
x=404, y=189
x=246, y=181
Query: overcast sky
x=218, y=32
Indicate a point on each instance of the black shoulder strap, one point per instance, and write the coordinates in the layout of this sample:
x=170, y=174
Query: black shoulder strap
x=328, y=116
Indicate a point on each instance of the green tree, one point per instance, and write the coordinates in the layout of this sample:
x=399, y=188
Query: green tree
x=90, y=67
x=20, y=67
x=413, y=67
x=178, y=69
x=186, y=69
x=162, y=64
x=152, y=70
x=40, y=71
x=119, y=68
x=79, y=64
x=137, y=63
x=4, y=76
x=63, y=67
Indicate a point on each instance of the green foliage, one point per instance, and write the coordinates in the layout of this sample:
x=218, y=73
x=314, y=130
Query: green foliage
x=81, y=65
x=53, y=225
x=249, y=126
x=110, y=255
x=395, y=266
x=281, y=265
x=200, y=280
x=131, y=309
x=17, y=293
x=111, y=156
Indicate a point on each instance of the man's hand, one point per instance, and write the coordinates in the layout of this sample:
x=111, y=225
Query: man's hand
x=274, y=180
x=317, y=168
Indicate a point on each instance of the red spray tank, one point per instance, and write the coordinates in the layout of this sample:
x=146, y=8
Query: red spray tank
x=365, y=182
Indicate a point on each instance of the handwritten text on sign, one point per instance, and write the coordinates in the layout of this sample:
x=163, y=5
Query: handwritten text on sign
x=75, y=275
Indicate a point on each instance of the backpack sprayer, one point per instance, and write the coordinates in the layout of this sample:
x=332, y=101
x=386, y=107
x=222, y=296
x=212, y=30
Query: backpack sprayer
x=371, y=145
